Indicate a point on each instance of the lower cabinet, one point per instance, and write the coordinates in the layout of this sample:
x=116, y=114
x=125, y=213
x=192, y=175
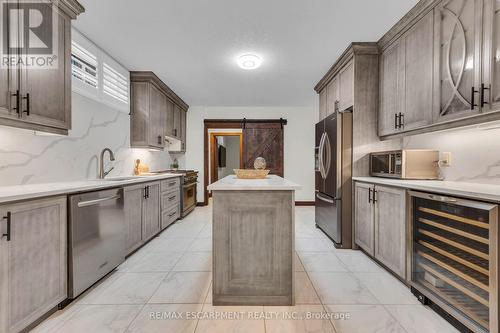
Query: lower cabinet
x=33, y=261
x=150, y=208
x=380, y=224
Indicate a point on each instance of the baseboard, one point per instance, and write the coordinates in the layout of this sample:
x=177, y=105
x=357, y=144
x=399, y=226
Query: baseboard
x=200, y=204
x=304, y=203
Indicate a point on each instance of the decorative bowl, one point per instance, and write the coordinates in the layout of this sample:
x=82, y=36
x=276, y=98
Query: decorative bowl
x=251, y=174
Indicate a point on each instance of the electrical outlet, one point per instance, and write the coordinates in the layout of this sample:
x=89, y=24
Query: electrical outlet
x=446, y=159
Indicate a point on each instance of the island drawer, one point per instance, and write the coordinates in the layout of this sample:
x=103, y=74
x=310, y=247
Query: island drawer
x=170, y=184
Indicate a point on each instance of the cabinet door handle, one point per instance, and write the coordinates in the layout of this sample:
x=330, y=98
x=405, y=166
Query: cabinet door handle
x=27, y=98
x=401, y=120
x=8, y=217
x=374, y=196
x=172, y=214
x=370, y=195
x=473, y=98
x=18, y=102
x=396, y=121
x=146, y=192
x=159, y=139
x=483, y=88
x=171, y=198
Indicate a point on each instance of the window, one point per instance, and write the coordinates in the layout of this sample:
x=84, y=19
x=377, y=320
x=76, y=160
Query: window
x=84, y=65
x=115, y=84
x=98, y=76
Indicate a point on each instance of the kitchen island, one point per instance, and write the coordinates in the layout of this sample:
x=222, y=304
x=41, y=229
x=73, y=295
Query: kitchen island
x=253, y=241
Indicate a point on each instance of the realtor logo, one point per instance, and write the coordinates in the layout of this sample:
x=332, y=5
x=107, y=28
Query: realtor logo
x=29, y=34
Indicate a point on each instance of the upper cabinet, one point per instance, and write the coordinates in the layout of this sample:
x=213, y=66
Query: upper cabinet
x=156, y=112
x=458, y=64
x=32, y=96
x=439, y=67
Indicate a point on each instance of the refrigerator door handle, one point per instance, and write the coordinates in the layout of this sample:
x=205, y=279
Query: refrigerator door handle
x=321, y=162
x=328, y=155
x=322, y=198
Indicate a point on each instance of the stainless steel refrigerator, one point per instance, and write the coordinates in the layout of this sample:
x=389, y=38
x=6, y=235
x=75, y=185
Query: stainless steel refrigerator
x=334, y=177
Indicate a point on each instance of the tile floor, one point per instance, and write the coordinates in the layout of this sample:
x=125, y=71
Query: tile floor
x=172, y=275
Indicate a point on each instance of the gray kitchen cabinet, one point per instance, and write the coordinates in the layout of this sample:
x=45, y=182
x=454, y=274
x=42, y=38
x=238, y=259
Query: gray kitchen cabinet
x=134, y=195
x=170, y=201
x=390, y=228
x=332, y=99
x=158, y=116
x=40, y=98
x=322, y=104
x=457, y=45
x=170, y=119
x=183, y=130
x=151, y=211
x=406, y=76
x=391, y=83
x=346, y=87
x=177, y=121
x=418, y=75
x=155, y=111
x=380, y=224
x=33, y=261
x=491, y=57
x=364, y=217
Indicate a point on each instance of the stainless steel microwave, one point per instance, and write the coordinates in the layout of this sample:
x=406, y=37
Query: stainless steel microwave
x=405, y=164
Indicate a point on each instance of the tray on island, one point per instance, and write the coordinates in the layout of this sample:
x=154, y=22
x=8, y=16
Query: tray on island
x=251, y=173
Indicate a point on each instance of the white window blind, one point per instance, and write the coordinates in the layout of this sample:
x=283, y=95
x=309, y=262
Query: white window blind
x=84, y=66
x=115, y=84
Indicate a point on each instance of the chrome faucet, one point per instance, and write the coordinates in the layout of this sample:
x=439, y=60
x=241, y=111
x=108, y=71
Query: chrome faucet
x=103, y=173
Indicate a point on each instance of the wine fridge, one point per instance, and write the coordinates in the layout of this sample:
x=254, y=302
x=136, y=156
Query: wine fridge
x=454, y=258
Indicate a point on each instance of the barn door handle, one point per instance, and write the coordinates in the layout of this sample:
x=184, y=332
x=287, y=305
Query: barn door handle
x=483, y=88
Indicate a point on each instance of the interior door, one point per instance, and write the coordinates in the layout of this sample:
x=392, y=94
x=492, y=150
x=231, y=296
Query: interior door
x=265, y=140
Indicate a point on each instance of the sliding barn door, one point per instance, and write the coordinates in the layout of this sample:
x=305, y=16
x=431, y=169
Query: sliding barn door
x=263, y=140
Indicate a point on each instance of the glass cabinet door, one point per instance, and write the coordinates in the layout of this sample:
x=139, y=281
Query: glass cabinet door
x=451, y=252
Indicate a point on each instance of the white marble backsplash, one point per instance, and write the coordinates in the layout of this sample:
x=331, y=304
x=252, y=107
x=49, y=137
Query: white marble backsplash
x=29, y=158
x=475, y=152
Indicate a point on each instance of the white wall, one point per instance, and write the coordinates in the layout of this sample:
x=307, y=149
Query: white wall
x=232, y=144
x=26, y=158
x=299, y=140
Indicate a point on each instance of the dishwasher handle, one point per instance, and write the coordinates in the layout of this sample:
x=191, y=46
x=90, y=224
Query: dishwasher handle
x=97, y=201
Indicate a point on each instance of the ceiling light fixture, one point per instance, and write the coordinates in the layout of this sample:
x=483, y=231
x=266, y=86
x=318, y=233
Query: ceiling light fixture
x=249, y=61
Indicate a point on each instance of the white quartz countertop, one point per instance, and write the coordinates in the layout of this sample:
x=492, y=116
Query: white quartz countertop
x=479, y=191
x=270, y=183
x=25, y=192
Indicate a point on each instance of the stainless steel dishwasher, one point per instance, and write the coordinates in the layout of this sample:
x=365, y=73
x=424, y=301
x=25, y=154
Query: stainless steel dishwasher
x=96, y=237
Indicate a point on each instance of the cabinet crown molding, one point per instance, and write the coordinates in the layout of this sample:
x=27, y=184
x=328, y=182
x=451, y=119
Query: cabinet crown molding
x=407, y=21
x=148, y=76
x=356, y=48
x=71, y=7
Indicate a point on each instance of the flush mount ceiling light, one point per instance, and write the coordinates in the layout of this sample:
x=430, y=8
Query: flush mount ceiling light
x=249, y=61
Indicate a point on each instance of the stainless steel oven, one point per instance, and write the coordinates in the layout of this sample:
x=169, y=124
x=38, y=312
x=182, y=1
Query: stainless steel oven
x=454, y=257
x=189, y=195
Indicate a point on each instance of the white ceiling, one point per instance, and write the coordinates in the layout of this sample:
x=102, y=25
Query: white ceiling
x=192, y=44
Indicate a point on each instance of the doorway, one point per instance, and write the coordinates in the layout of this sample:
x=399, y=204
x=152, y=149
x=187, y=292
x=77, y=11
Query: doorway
x=226, y=154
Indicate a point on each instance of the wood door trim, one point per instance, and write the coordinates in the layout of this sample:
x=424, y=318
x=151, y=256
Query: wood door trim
x=213, y=157
x=213, y=124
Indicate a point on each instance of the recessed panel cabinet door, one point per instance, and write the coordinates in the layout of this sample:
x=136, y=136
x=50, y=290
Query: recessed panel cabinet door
x=390, y=228
x=49, y=90
x=183, y=130
x=157, y=117
x=8, y=77
x=139, y=118
x=151, y=212
x=364, y=217
x=322, y=104
x=457, y=63
x=419, y=57
x=346, y=87
x=390, y=90
x=177, y=121
x=491, y=65
x=332, y=96
x=33, y=263
x=133, y=215
x=170, y=119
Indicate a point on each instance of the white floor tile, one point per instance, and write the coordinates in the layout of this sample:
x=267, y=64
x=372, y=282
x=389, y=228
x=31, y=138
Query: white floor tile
x=297, y=319
x=386, y=288
x=183, y=287
x=357, y=261
x=194, y=262
x=201, y=244
x=418, y=318
x=154, y=318
x=151, y=262
x=321, y=262
x=304, y=290
x=243, y=324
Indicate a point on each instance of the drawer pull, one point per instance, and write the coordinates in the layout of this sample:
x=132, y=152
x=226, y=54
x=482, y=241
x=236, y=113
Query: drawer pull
x=171, y=198
x=172, y=214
